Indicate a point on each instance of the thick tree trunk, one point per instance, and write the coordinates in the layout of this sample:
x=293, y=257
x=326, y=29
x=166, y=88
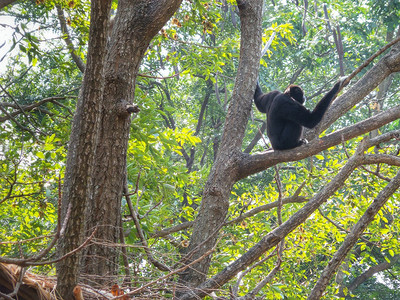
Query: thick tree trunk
x=136, y=23
x=97, y=151
x=215, y=201
x=82, y=145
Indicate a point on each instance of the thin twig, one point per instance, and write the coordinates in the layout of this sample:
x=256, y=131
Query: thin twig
x=242, y=274
x=368, y=61
x=168, y=275
x=342, y=228
x=135, y=218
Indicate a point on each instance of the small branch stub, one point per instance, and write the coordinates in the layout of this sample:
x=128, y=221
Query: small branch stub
x=124, y=108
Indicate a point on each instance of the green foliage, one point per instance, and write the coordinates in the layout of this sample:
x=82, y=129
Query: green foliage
x=175, y=137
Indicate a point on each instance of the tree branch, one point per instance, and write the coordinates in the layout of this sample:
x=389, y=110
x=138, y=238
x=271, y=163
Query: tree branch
x=80, y=64
x=25, y=108
x=250, y=213
x=339, y=48
x=251, y=164
x=389, y=64
x=372, y=271
x=242, y=274
x=275, y=236
x=353, y=236
x=41, y=254
x=135, y=218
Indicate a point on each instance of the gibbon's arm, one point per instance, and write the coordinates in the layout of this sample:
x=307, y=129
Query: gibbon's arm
x=263, y=101
x=296, y=112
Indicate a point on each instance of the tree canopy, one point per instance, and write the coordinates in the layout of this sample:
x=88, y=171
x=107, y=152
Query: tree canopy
x=133, y=159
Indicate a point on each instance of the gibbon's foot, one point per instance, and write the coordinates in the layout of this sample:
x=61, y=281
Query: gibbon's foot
x=342, y=79
x=303, y=142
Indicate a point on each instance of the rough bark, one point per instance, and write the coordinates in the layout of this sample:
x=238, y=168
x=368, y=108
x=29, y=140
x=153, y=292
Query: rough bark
x=215, y=201
x=136, y=23
x=77, y=179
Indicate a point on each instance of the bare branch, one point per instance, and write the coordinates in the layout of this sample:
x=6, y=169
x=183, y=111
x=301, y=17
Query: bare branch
x=242, y=274
x=266, y=207
x=369, y=60
x=250, y=213
x=256, y=138
x=279, y=249
x=25, y=108
x=261, y=284
x=44, y=252
x=10, y=117
x=268, y=44
x=135, y=218
x=80, y=64
x=303, y=24
x=17, y=286
x=339, y=48
x=338, y=226
x=138, y=290
x=125, y=260
x=161, y=77
x=388, y=65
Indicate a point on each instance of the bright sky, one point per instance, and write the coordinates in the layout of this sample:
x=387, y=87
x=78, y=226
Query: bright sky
x=6, y=40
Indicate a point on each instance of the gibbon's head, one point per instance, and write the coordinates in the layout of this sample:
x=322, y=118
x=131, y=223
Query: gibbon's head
x=296, y=93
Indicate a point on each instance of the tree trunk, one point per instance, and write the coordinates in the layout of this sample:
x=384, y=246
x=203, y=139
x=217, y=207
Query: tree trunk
x=136, y=23
x=82, y=145
x=215, y=201
x=97, y=151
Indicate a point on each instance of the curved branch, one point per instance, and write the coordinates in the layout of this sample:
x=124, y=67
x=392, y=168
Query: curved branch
x=26, y=108
x=371, y=58
x=294, y=199
x=31, y=260
x=135, y=218
x=371, y=271
x=265, y=207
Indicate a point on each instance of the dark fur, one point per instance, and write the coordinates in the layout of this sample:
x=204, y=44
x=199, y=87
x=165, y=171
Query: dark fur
x=286, y=114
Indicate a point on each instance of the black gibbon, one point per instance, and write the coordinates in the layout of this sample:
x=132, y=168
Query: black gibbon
x=286, y=114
